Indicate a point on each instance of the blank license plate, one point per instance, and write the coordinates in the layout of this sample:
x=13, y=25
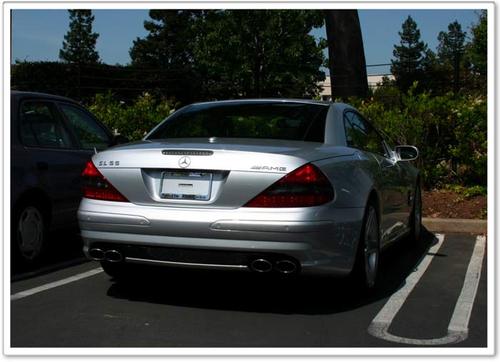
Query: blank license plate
x=186, y=185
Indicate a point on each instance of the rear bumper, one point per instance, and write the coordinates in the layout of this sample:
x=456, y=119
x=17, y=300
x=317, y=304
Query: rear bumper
x=323, y=240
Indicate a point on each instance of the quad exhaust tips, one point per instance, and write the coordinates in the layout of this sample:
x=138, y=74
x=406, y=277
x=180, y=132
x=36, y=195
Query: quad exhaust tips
x=285, y=266
x=112, y=256
x=261, y=266
x=96, y=254
x=281, y=266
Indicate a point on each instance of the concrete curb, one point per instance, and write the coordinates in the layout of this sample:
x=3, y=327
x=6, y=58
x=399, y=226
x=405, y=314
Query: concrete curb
x=455, y=225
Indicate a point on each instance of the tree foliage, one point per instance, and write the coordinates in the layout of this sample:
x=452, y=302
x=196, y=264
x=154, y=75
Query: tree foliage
x=80, y=41
x=409, y=55
x=477, y=52
x=451, y=50
x=170, y=42
x=237, y=53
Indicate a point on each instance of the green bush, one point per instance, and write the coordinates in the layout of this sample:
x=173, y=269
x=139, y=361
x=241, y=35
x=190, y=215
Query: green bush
x=130, y=120
x=467, y=192
x=449, y=130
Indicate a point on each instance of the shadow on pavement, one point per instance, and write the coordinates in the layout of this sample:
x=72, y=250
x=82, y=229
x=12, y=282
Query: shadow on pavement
x=265, y=294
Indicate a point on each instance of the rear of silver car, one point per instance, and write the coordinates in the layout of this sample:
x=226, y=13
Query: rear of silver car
x=261, y=205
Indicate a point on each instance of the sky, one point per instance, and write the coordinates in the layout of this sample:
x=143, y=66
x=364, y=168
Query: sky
x=38, y=34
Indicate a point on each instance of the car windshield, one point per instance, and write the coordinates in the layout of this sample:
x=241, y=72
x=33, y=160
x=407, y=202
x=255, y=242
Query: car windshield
x=288, y=121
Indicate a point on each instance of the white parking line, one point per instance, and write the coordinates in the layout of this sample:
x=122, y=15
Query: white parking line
x=458, y=327
x=58, y=283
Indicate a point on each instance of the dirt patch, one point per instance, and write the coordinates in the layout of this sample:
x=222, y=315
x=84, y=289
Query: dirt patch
x=449, y=204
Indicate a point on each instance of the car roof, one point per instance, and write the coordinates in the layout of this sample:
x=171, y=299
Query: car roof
x=23, y=94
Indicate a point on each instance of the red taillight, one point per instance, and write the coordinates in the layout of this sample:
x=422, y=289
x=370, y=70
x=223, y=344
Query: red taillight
x=306, y=186
x=95, y=186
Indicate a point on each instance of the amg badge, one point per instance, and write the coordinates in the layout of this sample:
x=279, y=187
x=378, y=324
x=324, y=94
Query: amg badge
x=268, y=168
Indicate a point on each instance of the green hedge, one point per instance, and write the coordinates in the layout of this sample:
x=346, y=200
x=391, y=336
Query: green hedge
x=132, y=120
x=449, y=130
x=82, y=82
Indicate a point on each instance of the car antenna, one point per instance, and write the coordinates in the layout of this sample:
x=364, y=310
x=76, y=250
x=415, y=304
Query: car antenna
x=95, y=150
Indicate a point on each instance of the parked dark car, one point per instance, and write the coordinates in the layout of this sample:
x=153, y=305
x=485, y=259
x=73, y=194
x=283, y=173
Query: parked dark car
x=52, y=138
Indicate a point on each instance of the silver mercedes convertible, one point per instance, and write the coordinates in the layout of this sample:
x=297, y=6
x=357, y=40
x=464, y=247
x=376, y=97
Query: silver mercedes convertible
x=266, y=185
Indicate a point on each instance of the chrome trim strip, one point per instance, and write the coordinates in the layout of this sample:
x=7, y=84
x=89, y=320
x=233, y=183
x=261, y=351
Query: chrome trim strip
x=185, y=265
x=110, y=218
x=271, y=226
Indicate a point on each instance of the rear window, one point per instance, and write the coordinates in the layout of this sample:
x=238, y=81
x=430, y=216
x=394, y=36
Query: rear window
x=287, y=121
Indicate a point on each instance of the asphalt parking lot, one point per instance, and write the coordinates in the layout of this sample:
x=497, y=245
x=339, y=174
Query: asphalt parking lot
x=429, y=295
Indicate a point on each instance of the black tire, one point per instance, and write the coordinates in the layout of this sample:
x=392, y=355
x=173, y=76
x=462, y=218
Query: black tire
x=29, y=231
x=366, y=267
x=416, y=217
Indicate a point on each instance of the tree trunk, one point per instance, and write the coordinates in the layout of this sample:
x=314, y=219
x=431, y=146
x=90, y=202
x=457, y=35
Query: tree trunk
x=346, y=54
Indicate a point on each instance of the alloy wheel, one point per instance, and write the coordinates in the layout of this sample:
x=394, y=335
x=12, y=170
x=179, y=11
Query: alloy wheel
x=30, y=233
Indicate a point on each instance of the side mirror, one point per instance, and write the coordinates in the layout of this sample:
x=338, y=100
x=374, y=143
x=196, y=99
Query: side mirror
x=406, y=153
x=119, y=139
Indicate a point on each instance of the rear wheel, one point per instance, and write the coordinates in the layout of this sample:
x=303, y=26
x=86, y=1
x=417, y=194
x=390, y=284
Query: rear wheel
x=416, y=216
x=29, y=233
x=368, y=255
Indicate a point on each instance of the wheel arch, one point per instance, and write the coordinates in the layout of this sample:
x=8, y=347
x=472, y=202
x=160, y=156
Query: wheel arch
x=374, y=197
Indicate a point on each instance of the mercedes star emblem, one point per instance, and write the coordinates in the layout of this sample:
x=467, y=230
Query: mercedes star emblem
x=184, y=162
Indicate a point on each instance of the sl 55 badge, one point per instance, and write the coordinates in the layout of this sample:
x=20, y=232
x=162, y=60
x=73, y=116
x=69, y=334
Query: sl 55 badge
x=109, y=163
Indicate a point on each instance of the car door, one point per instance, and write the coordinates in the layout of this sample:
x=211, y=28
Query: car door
x=90, y=134
x=361, y=134
x=52, y=161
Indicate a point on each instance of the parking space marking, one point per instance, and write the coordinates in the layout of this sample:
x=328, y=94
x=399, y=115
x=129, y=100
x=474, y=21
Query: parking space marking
x=58, y=283
x=458, y=327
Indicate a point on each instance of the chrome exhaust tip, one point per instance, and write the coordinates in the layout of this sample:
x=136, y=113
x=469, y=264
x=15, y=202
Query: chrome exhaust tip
x=261, y=266
x=285, y=266
x=96, y=254
x=113, y=256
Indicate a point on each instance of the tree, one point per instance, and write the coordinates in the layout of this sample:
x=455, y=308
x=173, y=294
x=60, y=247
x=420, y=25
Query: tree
x=434, y=74
x=477, y=50
x=79, y=42
x=408, y=55
x=260, y=53
x=346, y=54
x=451, y=50
x=170, y=42
x=234, y=53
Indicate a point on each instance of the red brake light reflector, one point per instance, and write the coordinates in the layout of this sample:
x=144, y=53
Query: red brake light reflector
x=303, y=187
x=96, y=186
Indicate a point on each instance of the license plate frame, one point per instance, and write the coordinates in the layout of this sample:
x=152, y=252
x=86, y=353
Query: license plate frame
x=186, y=185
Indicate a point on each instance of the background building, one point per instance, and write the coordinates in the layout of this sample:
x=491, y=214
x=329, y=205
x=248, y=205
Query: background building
x=373, y=83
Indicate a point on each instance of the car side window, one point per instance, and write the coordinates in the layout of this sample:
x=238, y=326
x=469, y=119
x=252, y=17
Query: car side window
x=42, y=127
x=360, y=134
x=90, y=134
